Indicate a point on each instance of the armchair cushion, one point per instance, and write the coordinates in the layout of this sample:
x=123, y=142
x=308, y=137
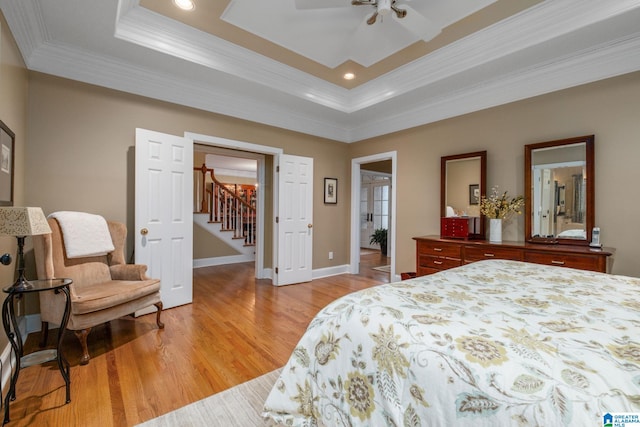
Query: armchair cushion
x=100, y=296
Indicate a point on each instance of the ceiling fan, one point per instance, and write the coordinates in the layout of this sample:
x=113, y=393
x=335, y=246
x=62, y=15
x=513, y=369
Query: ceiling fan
x=383, y=7
x=411, y=19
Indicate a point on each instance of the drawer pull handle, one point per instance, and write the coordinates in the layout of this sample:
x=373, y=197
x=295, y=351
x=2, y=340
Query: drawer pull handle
x=437, y=249
x=554, y=262
x=437, y=262
x=489, y=255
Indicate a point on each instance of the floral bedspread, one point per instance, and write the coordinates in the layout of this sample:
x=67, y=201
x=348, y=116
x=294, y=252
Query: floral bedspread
x=493, y=343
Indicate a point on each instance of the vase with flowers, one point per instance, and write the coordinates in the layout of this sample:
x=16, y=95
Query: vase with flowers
x=498, y=207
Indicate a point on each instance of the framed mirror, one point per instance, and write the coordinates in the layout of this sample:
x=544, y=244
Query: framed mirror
x=559, y=195
x=463, y=181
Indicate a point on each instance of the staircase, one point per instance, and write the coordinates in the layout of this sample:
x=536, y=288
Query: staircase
x=225, y=210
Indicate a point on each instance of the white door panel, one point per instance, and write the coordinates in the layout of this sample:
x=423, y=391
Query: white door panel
x=163, y=212
x=295, y=220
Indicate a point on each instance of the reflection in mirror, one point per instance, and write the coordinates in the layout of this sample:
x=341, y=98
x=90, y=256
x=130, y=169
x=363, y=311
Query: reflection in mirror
x=560, y=196
x=462, y=183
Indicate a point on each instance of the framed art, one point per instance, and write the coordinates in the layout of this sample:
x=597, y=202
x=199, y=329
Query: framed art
x=331, y=190
x=474, y=194
x=7, y=162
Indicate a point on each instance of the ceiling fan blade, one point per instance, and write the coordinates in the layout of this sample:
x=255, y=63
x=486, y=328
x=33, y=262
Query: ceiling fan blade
x=363, y=2
x=372, y=18
x=321, y=4
x=418, y=24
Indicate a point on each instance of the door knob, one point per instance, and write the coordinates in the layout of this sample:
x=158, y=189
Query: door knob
x=144, y=231
x=309, y=225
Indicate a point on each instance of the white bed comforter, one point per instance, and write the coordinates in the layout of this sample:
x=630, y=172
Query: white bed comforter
x=493, y=343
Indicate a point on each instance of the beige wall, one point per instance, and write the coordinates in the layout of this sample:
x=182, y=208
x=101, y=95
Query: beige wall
x=13, y=112
x=607, y=109
x=81, y=145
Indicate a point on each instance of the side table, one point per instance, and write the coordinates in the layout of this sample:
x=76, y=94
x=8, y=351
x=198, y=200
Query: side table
x=10, y=324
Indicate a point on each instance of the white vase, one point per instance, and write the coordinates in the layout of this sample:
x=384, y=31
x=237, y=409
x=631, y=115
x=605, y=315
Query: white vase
x=495, y=230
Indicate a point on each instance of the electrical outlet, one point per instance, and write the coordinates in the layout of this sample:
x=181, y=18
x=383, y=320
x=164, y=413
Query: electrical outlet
x=330, y=255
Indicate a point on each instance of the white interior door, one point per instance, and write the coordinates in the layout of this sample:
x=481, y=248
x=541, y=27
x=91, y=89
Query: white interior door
x=295, y=221
x=163, y=212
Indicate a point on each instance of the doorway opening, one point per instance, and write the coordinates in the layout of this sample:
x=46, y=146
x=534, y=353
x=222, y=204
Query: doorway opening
x=365, y=171
x=226, y=187
x=265, y=158
x=375, y=202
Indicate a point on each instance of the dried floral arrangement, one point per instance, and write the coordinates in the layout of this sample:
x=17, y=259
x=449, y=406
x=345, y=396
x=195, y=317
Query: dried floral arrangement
x=499, y=206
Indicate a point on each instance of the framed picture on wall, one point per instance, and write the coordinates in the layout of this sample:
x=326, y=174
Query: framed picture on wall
x=331, y=190
x=7, y=162
x=474, y=194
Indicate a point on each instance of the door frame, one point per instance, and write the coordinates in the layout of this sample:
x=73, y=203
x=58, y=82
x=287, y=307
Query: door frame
x=354, y=267
x=260, y=271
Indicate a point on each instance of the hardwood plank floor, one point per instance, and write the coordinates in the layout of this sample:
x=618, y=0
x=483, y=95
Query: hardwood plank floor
x=236, y=329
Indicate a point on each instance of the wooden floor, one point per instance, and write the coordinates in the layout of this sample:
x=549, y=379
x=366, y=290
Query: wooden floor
x=236, y=329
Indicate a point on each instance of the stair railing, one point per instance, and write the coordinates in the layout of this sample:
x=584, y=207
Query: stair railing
x=234, y=209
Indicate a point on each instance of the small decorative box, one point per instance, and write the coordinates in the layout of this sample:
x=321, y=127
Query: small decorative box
x=454, y=227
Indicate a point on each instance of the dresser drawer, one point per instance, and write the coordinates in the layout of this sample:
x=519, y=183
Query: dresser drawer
x=583, y=262
x=439, y=263
x=479, y=253
x=439, y=249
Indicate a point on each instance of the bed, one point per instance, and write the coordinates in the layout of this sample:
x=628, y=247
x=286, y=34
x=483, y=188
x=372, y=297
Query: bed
x=493, y=343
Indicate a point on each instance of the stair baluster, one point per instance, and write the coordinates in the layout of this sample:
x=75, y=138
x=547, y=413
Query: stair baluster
x=234, y=209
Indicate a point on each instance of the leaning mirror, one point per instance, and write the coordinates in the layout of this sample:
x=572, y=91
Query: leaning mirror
x=559, y=201
x=462, y=183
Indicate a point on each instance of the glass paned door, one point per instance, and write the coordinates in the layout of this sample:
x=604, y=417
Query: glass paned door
x=374, y=206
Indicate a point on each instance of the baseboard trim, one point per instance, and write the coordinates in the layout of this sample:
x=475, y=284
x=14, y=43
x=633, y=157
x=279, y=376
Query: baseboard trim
x=232, y=259
x=330, y=271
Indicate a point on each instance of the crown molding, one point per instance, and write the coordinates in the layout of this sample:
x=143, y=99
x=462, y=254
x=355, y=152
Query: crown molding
x=546, y=21
x=26, y=22
x=541, y=23
x=609, y=60
x=151, y=30
x=118, y=75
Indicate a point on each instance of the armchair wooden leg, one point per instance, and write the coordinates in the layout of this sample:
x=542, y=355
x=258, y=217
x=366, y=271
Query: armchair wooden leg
x=82, y=336
x=159, y=306
x=44, y=334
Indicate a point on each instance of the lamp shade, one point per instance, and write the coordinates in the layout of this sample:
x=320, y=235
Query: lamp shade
x=23, y=221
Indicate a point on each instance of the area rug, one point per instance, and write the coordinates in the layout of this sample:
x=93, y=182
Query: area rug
x=239, y=406
x=385, y=268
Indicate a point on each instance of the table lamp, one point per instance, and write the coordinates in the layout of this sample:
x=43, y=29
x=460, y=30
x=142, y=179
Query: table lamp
x=22, y=222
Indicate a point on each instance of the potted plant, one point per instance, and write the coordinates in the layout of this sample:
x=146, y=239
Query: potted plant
x=379, y=236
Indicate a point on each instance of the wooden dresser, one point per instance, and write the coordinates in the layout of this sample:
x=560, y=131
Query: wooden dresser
x=434, y=253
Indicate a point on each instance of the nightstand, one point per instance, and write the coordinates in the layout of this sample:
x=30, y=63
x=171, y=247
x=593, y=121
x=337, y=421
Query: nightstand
x=38, y=357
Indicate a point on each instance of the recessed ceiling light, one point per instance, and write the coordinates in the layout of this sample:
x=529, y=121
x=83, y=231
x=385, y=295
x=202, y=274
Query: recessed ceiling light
x=185, y=4
x=349, y=76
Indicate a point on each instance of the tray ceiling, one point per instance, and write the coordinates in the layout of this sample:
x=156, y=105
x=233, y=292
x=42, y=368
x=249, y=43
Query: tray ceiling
x=276, y=64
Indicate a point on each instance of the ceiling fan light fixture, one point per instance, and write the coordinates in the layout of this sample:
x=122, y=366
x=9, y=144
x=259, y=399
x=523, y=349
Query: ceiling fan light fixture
x=349, y=76
x=384, y=7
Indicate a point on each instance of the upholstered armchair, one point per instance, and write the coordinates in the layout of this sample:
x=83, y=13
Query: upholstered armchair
x=104, y=287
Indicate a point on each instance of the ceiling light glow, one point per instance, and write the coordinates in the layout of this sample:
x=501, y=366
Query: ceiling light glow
x=185, y=4
x=349, y=76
